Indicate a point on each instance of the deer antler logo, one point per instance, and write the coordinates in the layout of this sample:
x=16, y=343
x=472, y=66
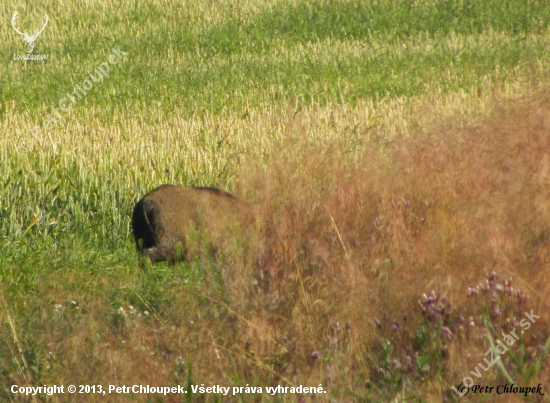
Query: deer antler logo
x=29, y=39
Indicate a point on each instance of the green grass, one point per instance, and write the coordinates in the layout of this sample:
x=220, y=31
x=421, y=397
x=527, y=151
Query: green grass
x=241, y=60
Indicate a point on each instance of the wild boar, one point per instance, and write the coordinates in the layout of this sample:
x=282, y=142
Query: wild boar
x=164, y=218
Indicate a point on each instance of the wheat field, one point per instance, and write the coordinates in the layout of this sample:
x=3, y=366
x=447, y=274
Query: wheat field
x=396, y=155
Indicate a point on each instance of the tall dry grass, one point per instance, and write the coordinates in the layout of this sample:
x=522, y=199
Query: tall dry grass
x=439, y=211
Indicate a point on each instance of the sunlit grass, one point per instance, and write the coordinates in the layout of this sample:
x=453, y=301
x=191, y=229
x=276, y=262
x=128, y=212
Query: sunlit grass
x=195, y=58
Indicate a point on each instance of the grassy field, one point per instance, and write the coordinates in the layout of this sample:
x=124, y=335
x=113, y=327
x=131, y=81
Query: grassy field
x=396, y=154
